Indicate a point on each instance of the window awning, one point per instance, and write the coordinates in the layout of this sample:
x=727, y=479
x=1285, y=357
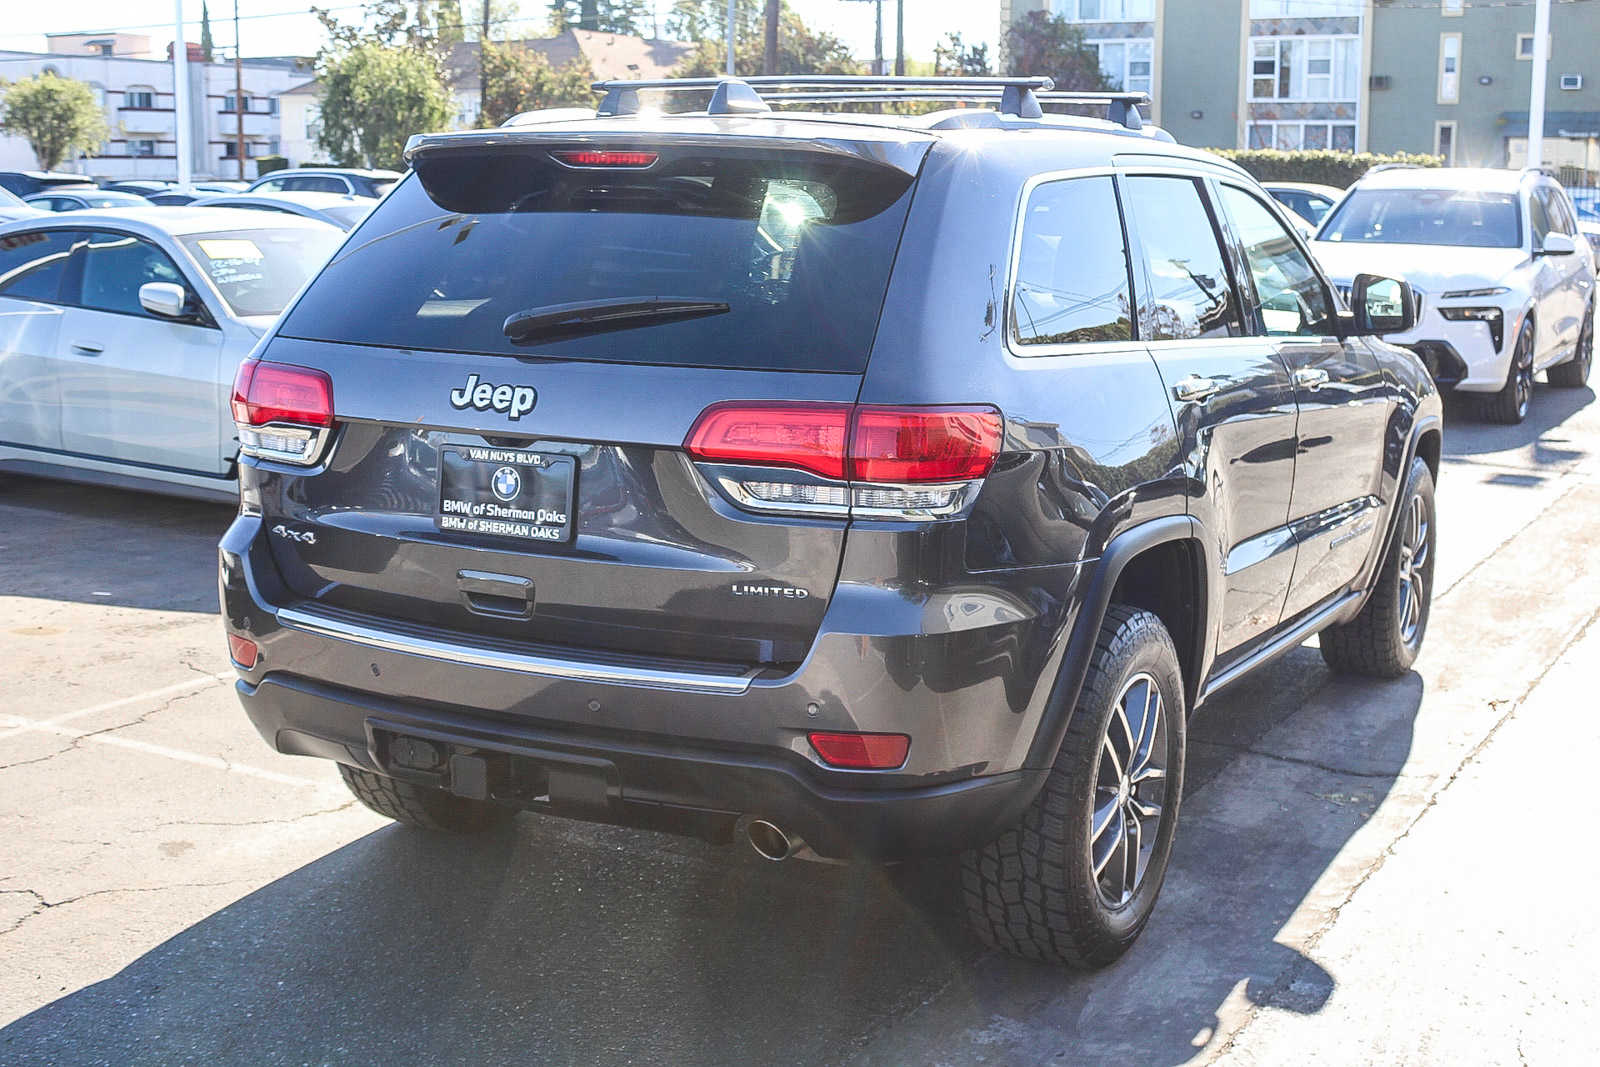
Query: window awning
x=1579, y=125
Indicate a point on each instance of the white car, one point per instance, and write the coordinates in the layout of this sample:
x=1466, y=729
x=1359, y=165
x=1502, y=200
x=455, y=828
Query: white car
x=1505, y=284
x=344, y=210
x=120, y=332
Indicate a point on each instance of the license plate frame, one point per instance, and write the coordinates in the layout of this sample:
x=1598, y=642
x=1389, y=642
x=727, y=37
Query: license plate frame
x=532, y=504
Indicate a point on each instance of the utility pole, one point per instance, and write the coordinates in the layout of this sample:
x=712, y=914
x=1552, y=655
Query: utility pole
x=769, y=55
x=1541, y=65
x=732, y=29
x=183, y=136
x=899, y=38
x=483, y=64
x=238, y=90
x=877, y=41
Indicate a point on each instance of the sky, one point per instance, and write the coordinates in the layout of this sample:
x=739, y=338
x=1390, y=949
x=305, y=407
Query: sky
x=285, y=27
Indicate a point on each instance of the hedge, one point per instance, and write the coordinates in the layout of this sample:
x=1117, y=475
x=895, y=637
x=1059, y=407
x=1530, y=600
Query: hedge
x=268, y=164
x=1323, y=166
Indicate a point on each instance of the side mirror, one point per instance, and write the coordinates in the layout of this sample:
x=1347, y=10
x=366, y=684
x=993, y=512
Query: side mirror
x=164, y=299
x=1558, y=244
x=1381, y=306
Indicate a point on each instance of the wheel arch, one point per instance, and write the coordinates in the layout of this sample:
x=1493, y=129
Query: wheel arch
x=1160, y=566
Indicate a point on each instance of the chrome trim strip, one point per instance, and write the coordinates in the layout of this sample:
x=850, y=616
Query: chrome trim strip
x=522, y=663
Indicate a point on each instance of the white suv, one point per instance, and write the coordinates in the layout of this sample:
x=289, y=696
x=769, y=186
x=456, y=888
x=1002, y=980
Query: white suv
x=1506, y=286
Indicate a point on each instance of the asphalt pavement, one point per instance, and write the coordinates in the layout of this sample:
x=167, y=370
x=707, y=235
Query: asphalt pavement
x=1365, y=872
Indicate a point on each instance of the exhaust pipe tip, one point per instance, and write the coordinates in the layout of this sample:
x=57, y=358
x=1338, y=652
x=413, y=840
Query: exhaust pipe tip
x=770, y=842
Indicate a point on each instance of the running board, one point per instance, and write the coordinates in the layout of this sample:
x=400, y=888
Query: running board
x=1286, y=642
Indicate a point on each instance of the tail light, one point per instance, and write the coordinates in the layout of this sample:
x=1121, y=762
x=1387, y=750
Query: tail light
x=861, y=752
x=848, y=460
x=243, y=651
x=605, y=157
x=283, y=412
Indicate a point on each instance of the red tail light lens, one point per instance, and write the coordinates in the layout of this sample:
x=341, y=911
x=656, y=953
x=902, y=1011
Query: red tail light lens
x=809, y=437
x=861, y=752
x=243, y=650
x=594, y=157
x=924, y=444
x=277, y=392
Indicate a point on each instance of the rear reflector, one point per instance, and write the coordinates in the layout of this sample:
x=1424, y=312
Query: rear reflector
x=861, y=752
x=593, y=157
x=848, y=443
x=277, y=392
x=243, y=650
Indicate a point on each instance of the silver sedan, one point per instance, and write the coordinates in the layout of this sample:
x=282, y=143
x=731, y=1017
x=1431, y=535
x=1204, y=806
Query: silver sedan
x=341, y=209
x=120, y=332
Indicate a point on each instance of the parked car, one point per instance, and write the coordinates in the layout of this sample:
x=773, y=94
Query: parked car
x=1308, y=200
x=1591, y=233
x=917, y=518
x=26, y=182
x=84, y=199
x=370, y=183
x=12, y=207
x=1505, y=284
x=343, y=210
x=220, y=185
x=125, y=330
x=139, y=186
x=177, y=198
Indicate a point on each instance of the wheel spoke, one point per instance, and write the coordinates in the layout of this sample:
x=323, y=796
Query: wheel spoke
x=1102, y=851
x=1144, y=809
x=1127, y=732
x=1103, y=817
x=1149, y=774
x=1149, y=726
x=1111, y=751
x=1132, y=845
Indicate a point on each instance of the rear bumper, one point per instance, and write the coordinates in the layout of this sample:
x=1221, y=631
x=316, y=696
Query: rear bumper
x=643, y=744
x=637, y=782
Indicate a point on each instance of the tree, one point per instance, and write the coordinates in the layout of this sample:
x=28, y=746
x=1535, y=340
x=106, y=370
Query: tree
x=57, y=116
x=374, y=97
x=801, y=50
x=521, y=79
x=952, y=57
x=430, y=26
x=631, y=17
x=206, y=45
x=1041, y=43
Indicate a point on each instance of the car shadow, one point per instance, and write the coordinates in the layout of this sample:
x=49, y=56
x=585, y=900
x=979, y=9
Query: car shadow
x=556, y=942
x=93, y=545
x=1538, y=437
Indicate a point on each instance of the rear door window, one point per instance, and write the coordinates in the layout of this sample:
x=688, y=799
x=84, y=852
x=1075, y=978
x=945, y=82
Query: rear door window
x=1292, y=301
x=786, y=253
x=1072, y=283
x=33, y=262
x=1190, y=292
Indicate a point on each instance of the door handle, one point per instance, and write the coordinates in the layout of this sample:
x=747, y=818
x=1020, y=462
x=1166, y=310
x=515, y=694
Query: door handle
x=88, y=349
x=1310, y=378
x=1194, y=389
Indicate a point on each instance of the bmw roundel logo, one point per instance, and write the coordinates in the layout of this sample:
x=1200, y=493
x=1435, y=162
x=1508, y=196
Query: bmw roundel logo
x=507, y=483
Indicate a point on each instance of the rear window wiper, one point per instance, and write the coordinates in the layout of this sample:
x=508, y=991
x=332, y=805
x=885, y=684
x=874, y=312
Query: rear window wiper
x=559, y=321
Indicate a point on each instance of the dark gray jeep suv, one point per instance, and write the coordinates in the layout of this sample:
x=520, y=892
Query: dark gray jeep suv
x=855, y=485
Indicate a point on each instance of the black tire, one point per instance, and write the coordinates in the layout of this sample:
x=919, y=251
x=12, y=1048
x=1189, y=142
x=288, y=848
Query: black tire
x=1383, y=641
x=423, y=806
x=1574, y=373
x=1034, y=891
x=1510, y=405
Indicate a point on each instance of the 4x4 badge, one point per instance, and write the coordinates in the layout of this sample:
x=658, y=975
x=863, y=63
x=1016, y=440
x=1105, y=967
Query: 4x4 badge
x=515, y=400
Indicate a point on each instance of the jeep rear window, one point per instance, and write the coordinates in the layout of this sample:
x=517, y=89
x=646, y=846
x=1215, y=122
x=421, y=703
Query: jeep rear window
x=797, y=244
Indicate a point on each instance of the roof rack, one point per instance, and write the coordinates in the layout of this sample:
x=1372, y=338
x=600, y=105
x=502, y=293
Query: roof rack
x=742, y=96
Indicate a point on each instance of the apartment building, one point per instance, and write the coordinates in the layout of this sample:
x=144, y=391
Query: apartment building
x=1445, y=76
x=134, y=87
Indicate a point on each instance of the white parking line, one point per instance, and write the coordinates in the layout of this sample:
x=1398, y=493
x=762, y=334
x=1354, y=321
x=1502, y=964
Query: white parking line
x=21, y=725
x=192, y=685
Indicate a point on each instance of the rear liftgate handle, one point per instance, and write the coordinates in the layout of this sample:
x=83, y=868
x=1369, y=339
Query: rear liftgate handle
x=504, y=596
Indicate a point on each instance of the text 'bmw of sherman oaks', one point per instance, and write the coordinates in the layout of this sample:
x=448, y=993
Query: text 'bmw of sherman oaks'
x=855, y=486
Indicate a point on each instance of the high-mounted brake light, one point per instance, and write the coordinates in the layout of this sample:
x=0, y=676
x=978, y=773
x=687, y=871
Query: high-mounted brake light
x=282, y=412
x=597, y=157
x=911, y=462
x=861, y=752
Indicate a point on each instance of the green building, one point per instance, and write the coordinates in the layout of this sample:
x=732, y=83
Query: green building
x=1444, y=76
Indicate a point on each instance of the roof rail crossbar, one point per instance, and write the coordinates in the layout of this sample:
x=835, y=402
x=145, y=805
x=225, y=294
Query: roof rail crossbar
x=1020, y=96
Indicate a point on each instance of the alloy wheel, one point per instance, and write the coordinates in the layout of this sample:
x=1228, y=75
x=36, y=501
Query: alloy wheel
x=1524, y=373
x=1130, y=791
x=1415, y=553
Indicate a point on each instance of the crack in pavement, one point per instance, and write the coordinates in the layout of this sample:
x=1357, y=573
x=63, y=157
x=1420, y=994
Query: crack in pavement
x=43, y=905
x=79, y=737
x=1315, y=937
x=352, y=802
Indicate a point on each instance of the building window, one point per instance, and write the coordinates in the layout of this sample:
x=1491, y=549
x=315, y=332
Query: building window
x=1125, y=64
x=1452, y=8
x=1305, y=68
x=1444, y=141
x=144, y=148
x=1295, y=136
x=138, y=96
x=1524, y=46
x=1449, y=68
x=1104, y=10
x=1305, y=9
x=229, y=107
x=272, y=106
